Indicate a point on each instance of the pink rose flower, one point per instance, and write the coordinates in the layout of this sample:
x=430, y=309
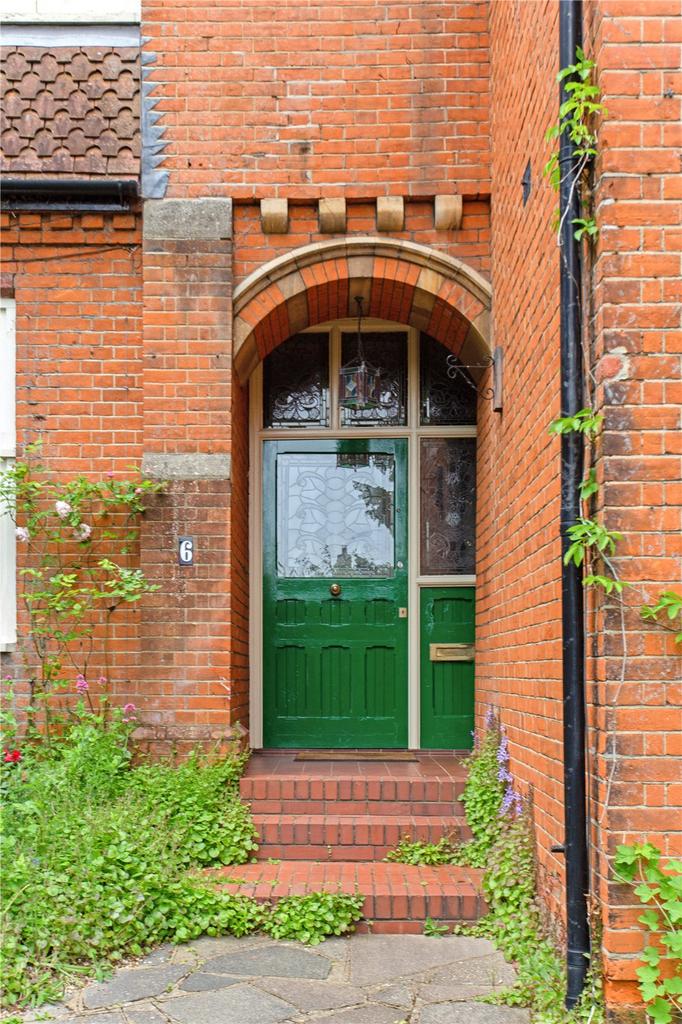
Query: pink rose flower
x=62, y=508
x=22, y=534
x=82, y=683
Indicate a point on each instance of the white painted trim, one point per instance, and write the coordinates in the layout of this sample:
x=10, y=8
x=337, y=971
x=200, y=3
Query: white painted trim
x=103, y=33
x=256, y=558
x=413, y=432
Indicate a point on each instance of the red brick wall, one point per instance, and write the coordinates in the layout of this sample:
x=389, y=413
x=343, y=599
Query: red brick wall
x=634, y=342
x=292, y=99
x=77, y=284
x=518, y=574
x=471, y=243
x=301, y=101
x=188, y=411
x=637, y=355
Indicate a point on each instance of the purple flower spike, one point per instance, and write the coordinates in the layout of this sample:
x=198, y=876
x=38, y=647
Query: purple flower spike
x=489, y=717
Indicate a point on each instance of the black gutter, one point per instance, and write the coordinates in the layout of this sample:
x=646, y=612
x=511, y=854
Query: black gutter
x=68, y=193
x=572, y=613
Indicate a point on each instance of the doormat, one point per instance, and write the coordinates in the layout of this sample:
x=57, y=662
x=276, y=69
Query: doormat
x=355, y=755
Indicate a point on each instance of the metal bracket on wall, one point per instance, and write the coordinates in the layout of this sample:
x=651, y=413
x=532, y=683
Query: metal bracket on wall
x=489, y=394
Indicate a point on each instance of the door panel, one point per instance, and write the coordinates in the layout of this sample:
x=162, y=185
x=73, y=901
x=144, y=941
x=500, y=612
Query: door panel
x=335, y=665
x=447, y=686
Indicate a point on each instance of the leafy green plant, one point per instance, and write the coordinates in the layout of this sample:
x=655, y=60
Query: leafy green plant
x=313, y=917
x=586, y=535
x=669, y=604
x=76, y=537
x=659, y=887
x=585, y=421
x=434, y=930
x=577, y=116
x=408, y=852
x=97, y=856
x=484, y=793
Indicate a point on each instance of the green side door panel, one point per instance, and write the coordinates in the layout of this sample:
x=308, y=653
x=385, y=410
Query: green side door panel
x=334, y=584
x=447, y=616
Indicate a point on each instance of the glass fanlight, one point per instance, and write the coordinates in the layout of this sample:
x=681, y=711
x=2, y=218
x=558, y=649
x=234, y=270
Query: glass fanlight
x=359, y=381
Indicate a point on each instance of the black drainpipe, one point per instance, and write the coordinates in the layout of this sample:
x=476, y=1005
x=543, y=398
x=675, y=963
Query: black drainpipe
x=573, y=647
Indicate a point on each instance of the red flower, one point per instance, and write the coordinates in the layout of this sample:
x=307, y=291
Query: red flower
x=11, y=756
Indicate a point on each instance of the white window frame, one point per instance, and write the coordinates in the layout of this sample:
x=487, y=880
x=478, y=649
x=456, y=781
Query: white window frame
x=8, y=443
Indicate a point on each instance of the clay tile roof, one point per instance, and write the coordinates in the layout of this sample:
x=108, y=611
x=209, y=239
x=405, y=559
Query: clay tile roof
x=70, y=111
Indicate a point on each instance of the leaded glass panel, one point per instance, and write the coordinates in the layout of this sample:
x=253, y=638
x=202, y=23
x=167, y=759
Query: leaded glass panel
x=388, y=352
x=444, y=401
x=335, y=515
x=296, y=383
x=448, y=506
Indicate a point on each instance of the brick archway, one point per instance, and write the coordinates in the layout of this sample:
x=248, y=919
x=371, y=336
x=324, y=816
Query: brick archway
x=399, y=281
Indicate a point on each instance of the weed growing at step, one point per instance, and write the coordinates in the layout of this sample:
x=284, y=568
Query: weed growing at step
x=434, y=930
x=513, y=922
x=502, y=844
x=408, y=852
x=100, y=859
x=313, y=917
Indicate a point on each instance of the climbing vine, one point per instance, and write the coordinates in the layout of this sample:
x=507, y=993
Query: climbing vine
x=659, y=888
x=577, y=117
x=77, y=538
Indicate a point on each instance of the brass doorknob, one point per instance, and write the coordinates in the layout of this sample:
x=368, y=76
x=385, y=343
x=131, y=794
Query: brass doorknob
x=335, y=589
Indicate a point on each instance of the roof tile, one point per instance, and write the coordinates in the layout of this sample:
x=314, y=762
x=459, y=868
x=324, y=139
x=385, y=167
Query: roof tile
x=71, y=110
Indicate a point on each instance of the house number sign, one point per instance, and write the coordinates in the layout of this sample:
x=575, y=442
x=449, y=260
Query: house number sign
x=186, y=550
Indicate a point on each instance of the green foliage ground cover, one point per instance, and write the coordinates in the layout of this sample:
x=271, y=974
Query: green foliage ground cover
x=101, y=860
x=502, y=845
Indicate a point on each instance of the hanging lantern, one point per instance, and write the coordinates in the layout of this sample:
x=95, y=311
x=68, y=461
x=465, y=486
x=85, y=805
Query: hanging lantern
x=359, y=381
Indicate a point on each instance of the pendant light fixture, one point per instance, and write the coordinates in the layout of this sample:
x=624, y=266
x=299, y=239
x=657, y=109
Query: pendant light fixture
x=359, y=381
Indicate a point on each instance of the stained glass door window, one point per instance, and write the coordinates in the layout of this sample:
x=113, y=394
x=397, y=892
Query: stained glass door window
x=335, y=514
x=448, y=505
x=296, y=383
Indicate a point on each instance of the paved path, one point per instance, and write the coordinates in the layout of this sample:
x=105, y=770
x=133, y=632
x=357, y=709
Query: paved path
x=363, y=979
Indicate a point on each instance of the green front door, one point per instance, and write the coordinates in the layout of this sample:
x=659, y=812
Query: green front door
x=335, y=593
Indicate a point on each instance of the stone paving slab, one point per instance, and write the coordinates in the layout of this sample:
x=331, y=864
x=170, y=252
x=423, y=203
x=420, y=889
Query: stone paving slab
x=472, y=1013
x=127, y=985
x=240, y=1004
x=200, y=982
x=271, y=961
x=145, y=1015
x=361, y=979
x=313, y=995
x=377, y=958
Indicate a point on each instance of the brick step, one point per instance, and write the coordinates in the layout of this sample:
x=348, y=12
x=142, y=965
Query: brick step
x=398, y=897
x=440, y=792
x=345, y=837
x=355, y=808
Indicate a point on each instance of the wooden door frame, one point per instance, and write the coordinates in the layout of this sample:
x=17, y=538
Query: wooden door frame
x=413, y=433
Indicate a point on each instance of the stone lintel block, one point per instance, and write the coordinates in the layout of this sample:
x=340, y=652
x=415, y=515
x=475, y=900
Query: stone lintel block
x=390, y=213
x=191, y=219
x=447, y=213
x=181, y=466
x=274, y=216
x=332, y=215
